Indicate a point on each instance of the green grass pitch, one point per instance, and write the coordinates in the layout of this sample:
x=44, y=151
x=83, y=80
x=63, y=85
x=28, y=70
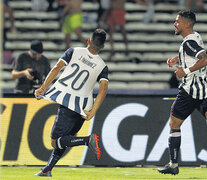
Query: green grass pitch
x=100, y=173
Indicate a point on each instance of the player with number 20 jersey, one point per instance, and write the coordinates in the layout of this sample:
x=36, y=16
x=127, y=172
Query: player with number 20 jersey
x=74, y=87
x=73, y=91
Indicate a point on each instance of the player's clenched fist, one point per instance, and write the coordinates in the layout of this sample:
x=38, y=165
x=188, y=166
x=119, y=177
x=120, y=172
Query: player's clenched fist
x=39, y=92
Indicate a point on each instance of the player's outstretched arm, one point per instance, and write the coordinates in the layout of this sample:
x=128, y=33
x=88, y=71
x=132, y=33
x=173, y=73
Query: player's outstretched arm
x=103, y=87
x=48, y=80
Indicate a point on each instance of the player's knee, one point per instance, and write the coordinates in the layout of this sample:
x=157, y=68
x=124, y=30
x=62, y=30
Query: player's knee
x=206, y=115
x=174, y=124
x=53, y=143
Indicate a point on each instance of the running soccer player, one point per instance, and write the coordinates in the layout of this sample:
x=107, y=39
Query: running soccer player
x=73, y=91
x=192, y=94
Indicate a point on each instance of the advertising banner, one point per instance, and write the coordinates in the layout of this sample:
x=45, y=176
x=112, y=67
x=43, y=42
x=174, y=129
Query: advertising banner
x=133, y=130
x=26, y=125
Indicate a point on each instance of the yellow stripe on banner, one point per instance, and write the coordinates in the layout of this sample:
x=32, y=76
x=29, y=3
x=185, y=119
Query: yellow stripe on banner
x=25, y=156
x=169, y=98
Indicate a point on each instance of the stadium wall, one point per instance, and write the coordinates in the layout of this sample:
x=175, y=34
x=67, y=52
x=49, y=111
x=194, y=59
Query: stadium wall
x=133, y=131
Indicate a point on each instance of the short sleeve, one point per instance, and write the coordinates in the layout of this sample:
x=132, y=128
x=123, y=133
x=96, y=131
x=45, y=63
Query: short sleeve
x=18, y=64
x=67, y=55
x=103, y=74
x=192, y=48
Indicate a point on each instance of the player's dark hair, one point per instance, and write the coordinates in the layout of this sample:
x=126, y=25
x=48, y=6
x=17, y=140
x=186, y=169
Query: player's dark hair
x=98, y=39
x=188, y=14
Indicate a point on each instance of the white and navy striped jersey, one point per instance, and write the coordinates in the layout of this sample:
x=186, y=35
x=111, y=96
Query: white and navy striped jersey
x=75, y=85
x=194, y=83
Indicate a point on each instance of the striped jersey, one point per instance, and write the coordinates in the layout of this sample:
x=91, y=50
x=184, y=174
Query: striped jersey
x=194, y=83
x=74, y=88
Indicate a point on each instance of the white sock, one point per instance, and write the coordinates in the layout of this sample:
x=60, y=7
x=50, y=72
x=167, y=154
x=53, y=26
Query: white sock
x=173, y=165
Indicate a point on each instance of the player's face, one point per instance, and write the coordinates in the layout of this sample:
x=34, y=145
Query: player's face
x=179, y=25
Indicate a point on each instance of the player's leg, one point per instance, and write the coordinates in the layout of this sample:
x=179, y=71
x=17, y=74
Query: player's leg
x=72, y=124
x=58, y=130
x=182, y=107
x=60, y=127
x=60, y=144
x=54, y=158
x=202, y=108
x=70, y=140
x=65, y=124
x=174, y=140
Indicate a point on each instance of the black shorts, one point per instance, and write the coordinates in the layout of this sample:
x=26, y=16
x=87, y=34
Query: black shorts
x=184, y=105
x=67, y=122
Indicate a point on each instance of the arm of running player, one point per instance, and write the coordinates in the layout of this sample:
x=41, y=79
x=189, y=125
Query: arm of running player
x=202, y=61
x=50, y=77
x=172, y=61
x=103, y=87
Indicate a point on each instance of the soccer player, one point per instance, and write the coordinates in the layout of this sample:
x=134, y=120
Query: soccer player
x=73, y=90
x=192, y=93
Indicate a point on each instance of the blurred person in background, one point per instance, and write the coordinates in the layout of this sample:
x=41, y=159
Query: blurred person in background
x=39, y=5
x=192, y=93
x=100, y=10
x=194, y=5
x=71, y=20
x=115, y=19
x=105, y=5
x=73, y=91
x=7, y=10
x=149, y=15
x=50, y=5
x=30, y=69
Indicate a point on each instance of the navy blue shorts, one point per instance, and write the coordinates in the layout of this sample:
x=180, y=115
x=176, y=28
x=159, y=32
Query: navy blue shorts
x=184, y=105
x=67, y=122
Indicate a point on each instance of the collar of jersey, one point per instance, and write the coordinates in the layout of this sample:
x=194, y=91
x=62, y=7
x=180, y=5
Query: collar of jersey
x=188, y=36
x=91, y=53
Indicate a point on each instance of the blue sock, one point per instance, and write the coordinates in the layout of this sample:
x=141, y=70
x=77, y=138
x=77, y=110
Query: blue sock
x=70, y=141
x=174, y=144
x=54, y=158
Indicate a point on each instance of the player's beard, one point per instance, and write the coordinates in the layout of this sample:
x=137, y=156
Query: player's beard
x=177, y=32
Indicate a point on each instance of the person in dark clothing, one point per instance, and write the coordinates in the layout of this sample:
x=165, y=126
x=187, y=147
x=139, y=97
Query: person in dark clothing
x=30, y=69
